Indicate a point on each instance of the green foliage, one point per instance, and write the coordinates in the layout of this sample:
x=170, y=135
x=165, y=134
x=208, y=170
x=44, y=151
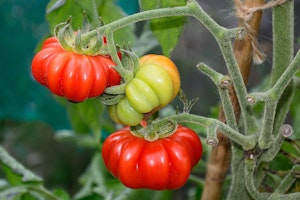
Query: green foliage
x=167, y=30
x=99, y=184
x=22, y=183
x=98, y=11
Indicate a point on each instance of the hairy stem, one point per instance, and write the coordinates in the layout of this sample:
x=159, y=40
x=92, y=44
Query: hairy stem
x=220, y=155
x=246, y=142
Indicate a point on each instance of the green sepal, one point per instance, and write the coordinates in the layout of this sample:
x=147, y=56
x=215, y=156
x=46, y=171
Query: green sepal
x=131, y=60
x=110, y=99
x=79, y=42
x=85, y=27
x=117, y=89
x=154, y=131
x=65, y=35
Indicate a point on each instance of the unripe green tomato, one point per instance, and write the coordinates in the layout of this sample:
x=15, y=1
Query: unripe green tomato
x=155, y=84
x=141, y=96
x=165, y=63
x=123, y=113
x=151, y=87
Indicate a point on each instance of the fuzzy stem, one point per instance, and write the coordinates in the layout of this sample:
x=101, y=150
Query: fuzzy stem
x=249, y=180
x=247, y=142
x=283, y=38
x=111, y=47
x=223, y=37
x=266, y=134
x=239, y=86
x=286, y=183
x=222, y=82
x=286, y=76
x=144, y=15
x=95, y=14
x=271, y=152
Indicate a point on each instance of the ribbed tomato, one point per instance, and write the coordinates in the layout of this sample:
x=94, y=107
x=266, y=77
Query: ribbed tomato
x=155, y=84
x=165, y=163
x=73, y=76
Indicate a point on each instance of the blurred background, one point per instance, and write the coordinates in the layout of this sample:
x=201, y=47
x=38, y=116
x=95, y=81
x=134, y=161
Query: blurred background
x=30, y=115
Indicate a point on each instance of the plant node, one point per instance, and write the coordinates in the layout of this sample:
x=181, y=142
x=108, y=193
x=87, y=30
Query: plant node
x=286, y=130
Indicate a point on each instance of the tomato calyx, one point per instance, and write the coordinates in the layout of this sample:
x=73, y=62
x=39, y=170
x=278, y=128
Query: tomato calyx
x=154, y=130
x=130, y=64
x=78, y=42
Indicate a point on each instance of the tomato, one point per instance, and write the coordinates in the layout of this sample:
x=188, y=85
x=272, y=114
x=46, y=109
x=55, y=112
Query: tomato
x=166, y=64
x=165, y=163
x=155, y=84
x=123, y=113
x=74, y=76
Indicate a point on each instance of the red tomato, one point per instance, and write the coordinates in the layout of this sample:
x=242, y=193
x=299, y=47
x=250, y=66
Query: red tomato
x=72, y=75
x=165, y=163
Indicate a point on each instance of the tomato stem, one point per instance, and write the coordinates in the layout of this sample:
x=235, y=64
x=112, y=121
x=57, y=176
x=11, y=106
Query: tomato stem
x=247, y=142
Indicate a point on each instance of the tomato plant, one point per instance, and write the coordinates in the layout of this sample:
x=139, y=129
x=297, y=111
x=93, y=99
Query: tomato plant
x=155, y=84
x=165, y=163
x=72, y=75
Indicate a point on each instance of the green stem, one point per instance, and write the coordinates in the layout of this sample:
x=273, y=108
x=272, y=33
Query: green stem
x=271, y=152
x=266, y=134
x=196, y=179
x=42, y=191
x=249, y=180
x=95, y=14
x=286, y=183
x=286, y=77
x=111, y=47
x=250, y=124
x=222, y=82
x=145, y=15
x=283, y=38
x=247, y=142
x=291, y=196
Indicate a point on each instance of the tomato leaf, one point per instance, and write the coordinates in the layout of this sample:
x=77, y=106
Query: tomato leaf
x=15, y=172
x=145, y=42
x=109, y=12
x=60, y=10
x=85, y=116
x=167, y=30
x=69, y=136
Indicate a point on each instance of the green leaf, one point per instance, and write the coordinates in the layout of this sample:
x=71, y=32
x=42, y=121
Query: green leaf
x=167, y=30
x=86, y=116
x=92, y=177
x=109, y=12
x=87, y=141
x=59, y=10
x=63, y=195
x=16, y=173
x=145, y=42
x=13, y=193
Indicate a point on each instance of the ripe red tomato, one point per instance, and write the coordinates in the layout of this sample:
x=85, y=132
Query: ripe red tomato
x=165, y=163
x=72, y=75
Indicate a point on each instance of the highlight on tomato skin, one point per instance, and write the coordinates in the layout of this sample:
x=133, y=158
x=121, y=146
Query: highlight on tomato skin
x=70, y=75
x=162, y=164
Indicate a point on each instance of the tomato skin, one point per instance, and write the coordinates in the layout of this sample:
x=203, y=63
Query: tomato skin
x=165, y=163
x=123, y=113
x=166, y=64
x=73, y=76
x=155, y=84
